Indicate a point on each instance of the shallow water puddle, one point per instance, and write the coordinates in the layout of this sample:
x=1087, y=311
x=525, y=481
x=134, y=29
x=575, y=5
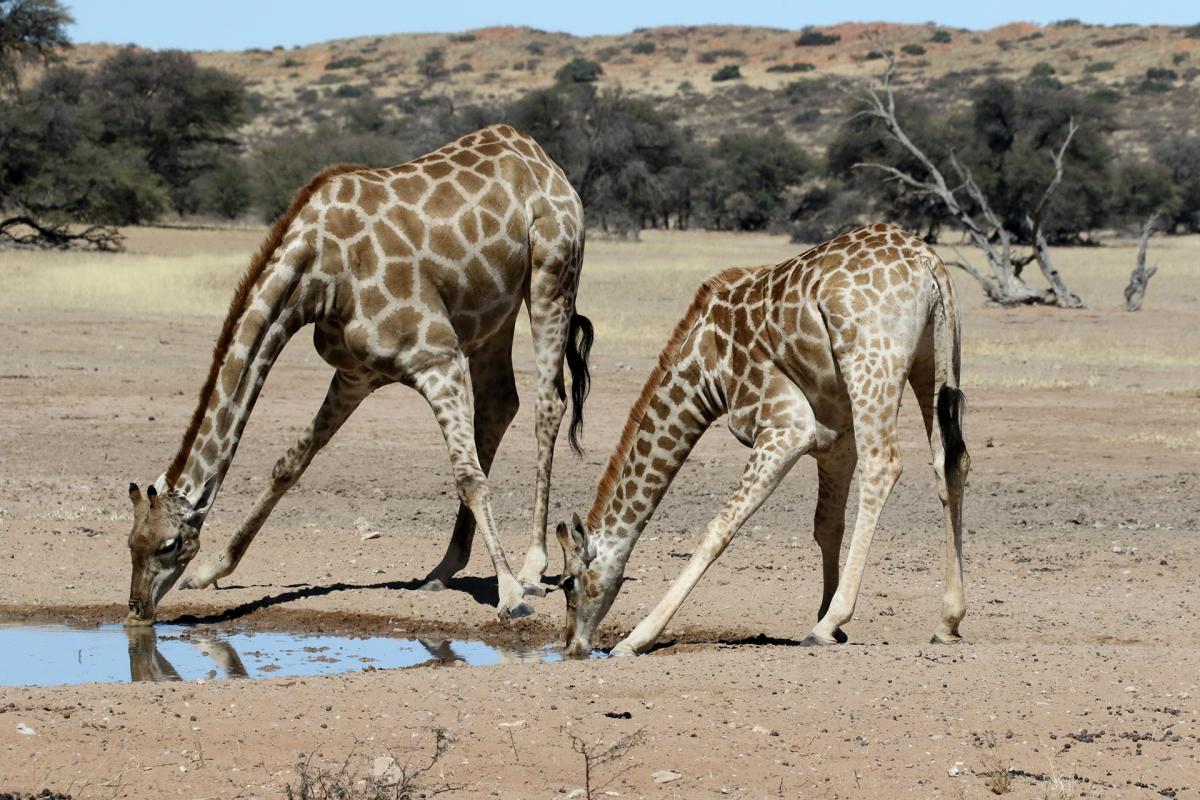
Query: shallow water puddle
x=52, y=655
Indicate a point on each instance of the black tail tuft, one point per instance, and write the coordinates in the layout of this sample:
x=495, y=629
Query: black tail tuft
x=579, y=346
x=950, y=404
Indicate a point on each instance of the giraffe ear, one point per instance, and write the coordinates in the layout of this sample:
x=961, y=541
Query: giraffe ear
x=135, y=495
x=584, y=546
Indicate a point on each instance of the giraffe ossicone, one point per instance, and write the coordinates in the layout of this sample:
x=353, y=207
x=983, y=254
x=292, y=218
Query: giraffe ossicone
x=806, y=357
x=412, y=274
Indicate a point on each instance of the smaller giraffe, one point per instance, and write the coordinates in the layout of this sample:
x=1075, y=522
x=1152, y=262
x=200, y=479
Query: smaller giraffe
x=807, y=357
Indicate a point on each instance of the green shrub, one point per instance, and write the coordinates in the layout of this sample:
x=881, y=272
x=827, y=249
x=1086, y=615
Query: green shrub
x=579, y=70
x=1041, y=70
x=729, y=72
x=1179, y=58
x=940, y=37
x=643, y=48
x=875, y=55
x=713, y=56
x=813, y=38
x=349, y=62
x=1071, y=22
x=1161, y=74
x=800, y=66
x=913, y=50
x=1192, y=31
x=291, y=63
x=1099, y=66
x=463, y=38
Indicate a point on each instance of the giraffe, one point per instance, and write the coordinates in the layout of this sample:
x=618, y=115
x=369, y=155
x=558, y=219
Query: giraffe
x=415, y=275
x=809, y=356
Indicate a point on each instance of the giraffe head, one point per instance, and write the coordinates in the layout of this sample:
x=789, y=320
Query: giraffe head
x=588, y=584
x=161, y=544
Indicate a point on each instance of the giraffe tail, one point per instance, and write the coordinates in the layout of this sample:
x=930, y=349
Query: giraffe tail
x=579, y=347
x=947, y=361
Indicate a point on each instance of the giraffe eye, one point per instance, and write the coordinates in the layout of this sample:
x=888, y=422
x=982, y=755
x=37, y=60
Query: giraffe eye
x=168, y=546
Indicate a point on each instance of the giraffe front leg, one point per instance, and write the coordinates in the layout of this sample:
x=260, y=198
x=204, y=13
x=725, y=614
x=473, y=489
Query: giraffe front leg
x=775, y=453
x=346, y=392
x=445, y=388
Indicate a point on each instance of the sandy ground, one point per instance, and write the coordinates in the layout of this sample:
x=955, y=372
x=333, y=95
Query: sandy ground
x=1082, y=643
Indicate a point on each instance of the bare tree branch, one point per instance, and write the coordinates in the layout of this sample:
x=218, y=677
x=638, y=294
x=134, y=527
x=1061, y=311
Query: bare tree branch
x=1139, y=279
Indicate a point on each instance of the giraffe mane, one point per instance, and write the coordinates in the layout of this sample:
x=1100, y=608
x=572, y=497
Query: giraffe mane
x=616, y=462
x=258, y=265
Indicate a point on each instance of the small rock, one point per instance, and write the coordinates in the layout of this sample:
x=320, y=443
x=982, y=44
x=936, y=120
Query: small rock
x=761, y=729
x=576, y=793
x=666, y=776
x=25, y=730
x=956, y=769
x=1118, y=549
x=362, y=525
x=370, y=535
x=516, y=724
x=384, y=770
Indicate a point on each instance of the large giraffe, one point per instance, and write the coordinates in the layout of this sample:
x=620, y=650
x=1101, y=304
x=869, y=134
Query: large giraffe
x=809, y=356
x=414, y=275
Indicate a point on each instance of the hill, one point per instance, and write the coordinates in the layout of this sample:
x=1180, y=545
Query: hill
x=796, y=80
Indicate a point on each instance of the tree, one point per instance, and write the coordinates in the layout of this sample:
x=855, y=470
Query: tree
x=181, y=116
x=1180, y=157
x=751, y=174
x=975, y=213
x=1139, y=279
x=29, y=29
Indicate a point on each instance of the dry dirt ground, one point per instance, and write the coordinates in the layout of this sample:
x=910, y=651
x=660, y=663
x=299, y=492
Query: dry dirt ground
x=1082, y=644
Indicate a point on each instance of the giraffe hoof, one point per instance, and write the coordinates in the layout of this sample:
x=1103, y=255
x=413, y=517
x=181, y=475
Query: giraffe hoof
x=840, y=636
x=812, y=640
x=516, y=612
x=433, y=585
x=622, y=650
x=944, y=638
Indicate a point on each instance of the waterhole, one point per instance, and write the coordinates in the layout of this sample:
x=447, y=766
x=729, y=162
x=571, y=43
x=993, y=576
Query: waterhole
x=53, y=655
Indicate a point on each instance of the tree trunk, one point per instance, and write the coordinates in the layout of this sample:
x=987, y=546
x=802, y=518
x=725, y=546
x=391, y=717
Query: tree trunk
x=1139, y=279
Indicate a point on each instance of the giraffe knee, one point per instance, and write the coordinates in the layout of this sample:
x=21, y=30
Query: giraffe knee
x=472, y=490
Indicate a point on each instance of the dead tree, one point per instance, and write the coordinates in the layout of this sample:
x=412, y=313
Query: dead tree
x=23, y=232
x=984, y=227
x=1139, y=279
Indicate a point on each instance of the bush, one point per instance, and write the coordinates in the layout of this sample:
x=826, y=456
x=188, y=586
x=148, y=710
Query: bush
x=875, y=55
x=800, y=66
x=1161, y=74
x=463, y=38
x=1070, y=22
x=913, y=50
x=940, y=37
x=814, y=38
x=579, y=70
x=729, y=72
x=433, y=63
x=1192, y=32
x=713, y=56
x=643, y=48
x=291, y=63
x=1099, y=66
x=225, y=191
x=1041, y=70
x=349, y=62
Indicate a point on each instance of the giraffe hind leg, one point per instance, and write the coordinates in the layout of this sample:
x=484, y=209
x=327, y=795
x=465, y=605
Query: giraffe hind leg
x=550, y=310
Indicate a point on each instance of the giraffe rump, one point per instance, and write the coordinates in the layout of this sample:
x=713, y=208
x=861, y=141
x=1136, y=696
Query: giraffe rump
x=237, y=307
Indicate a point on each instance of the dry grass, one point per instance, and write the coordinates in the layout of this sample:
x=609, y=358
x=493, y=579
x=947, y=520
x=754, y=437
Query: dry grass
x=635, y=292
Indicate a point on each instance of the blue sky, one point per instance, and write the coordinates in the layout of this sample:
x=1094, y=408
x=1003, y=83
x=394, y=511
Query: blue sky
x=239, y=24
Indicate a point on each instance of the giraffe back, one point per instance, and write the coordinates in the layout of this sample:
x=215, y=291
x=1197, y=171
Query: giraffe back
x=437, y=253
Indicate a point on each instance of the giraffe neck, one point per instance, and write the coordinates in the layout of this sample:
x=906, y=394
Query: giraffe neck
x=677, y=411
x=261, y=320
